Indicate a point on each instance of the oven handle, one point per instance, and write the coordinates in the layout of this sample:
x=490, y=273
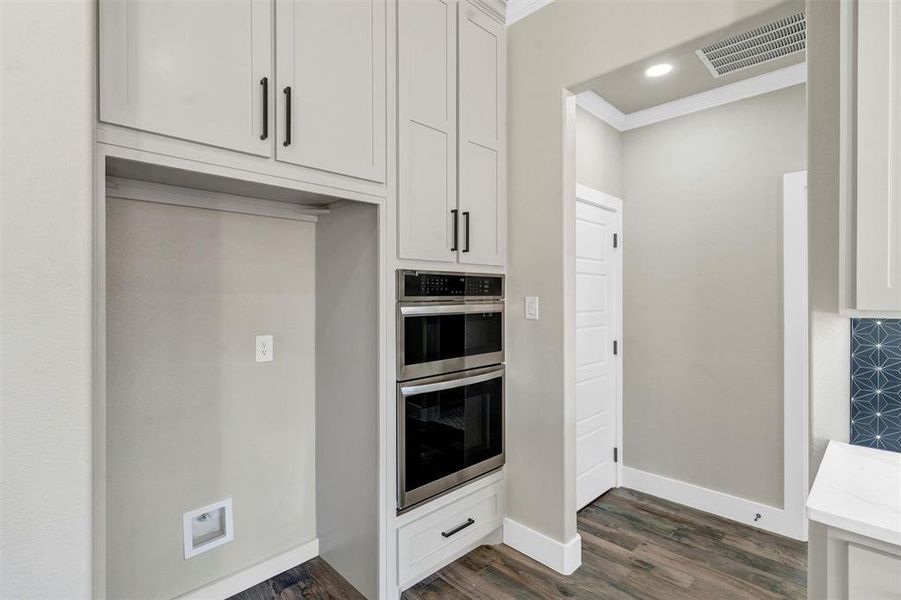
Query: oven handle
x=453, y=382
x=450, y=309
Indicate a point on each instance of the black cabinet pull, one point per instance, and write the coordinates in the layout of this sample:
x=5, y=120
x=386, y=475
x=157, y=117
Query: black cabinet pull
x=265, y=83
x=456, y=224
x=460, y=527
x=287, y=141
x=466, y=235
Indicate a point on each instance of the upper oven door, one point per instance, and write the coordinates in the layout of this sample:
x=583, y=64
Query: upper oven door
x=441, y=338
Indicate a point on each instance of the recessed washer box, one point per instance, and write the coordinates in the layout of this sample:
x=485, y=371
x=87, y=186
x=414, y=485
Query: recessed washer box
x=208, y=527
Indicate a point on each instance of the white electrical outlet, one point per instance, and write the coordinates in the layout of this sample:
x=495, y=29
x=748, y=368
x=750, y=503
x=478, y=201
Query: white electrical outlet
x=532, y=308
x=264, y=348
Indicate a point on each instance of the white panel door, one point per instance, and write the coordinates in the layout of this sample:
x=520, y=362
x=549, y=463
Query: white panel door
x=190, y=69
x=597, y=282
x=878, y=156
x=331, y=61
x=482, y=131
x=427, y=140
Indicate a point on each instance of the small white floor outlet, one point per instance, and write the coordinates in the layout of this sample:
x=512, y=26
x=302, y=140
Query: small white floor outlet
x=208, y=527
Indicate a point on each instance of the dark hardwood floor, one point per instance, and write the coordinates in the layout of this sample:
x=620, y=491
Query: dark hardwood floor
x=634, y=546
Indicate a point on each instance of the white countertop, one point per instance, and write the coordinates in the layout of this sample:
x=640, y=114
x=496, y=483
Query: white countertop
x=858, y=489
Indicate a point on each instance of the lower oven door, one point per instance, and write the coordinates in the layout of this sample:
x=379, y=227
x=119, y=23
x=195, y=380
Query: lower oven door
x=450, y=430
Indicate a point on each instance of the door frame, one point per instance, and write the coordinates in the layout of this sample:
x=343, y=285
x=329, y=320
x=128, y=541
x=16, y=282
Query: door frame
x=609, y=202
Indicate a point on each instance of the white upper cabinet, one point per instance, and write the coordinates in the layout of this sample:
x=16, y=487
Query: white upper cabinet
x=331, y=60
x=451, y=138
x=878, y=156
x=482, y=169
x=871, y=157
x=195, y=70
x=427, y=110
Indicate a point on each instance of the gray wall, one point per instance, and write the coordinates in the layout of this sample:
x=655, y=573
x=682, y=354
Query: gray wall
x=830, y=343
x=599, y=154
x=562, y=45
x=192, y=418
x=830, y=353
x=347, y=400
x=46, y=171
x=702, y=293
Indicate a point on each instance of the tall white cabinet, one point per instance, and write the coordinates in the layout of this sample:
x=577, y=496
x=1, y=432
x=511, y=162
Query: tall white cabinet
x=482, y=132
x=452, y=133
x=427, y=137
x=871, y=159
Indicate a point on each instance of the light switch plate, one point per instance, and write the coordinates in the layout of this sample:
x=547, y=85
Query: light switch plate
x=264, y=348
x=532, y=308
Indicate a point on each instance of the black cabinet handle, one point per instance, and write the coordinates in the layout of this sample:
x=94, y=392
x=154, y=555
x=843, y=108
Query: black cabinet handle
x=460, y=527
x=456, y=226
x=265, y=83
x=287, y=141
x=466, y=235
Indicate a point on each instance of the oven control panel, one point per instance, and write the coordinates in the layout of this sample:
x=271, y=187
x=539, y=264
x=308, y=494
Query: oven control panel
x=432, y=285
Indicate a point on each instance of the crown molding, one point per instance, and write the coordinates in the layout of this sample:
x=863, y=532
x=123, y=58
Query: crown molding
x=497, y=9
x=732, y=92
x=603, y=110
x=520, y=9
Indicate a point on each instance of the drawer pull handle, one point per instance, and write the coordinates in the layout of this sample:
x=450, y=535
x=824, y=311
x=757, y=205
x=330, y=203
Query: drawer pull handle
x=458, y=528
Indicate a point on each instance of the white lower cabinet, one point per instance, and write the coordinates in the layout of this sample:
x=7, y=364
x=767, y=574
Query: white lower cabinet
x=428, y=539
x=849, y=566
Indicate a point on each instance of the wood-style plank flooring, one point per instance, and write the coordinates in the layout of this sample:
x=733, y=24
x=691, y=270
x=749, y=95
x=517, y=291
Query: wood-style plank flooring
x=634, y=546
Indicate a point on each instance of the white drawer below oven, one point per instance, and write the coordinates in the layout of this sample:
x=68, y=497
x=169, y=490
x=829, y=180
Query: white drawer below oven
x=428, y=543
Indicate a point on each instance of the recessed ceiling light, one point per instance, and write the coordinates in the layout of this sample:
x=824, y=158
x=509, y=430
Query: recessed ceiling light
x=658, y=70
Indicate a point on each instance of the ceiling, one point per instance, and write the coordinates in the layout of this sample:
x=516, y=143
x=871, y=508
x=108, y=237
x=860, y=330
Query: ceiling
x=629, y=90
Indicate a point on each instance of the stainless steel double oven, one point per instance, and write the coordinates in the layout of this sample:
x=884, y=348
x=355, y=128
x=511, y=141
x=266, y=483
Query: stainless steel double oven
x=450, y=372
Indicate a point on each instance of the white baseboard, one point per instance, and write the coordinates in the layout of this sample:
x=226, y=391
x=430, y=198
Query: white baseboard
x=772, y=519
x=240, y=581
x=563, y=558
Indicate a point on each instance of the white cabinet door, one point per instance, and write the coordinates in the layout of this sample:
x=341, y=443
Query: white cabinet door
x=190, y=69
x=878, y=156
x=427, y=136
x=331, y=63
x=482, y=134
x=597, y=313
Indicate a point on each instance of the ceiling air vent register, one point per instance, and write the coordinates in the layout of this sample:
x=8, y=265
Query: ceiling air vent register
x=760, y=45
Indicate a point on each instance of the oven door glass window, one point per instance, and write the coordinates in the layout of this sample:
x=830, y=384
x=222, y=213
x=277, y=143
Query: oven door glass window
x=449, y=430
x=439, y=337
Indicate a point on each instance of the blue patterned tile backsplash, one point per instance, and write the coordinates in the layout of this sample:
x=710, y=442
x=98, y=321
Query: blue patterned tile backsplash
x=876, y=383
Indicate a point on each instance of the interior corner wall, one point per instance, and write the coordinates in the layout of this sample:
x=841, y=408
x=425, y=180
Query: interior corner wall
x=599, y=154
x=830, y=333
x=560, y=46
x=347, y=400
x=192, y=418
x=702, y=293
x=46, y=171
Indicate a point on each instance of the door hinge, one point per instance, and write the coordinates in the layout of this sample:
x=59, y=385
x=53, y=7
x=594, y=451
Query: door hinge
x=615, y=347
x=615, y=240
x=615, y=454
